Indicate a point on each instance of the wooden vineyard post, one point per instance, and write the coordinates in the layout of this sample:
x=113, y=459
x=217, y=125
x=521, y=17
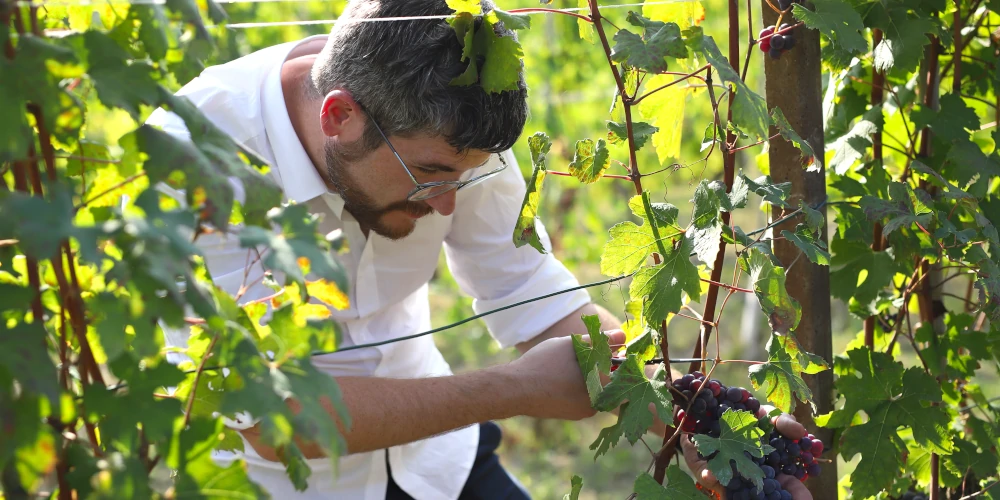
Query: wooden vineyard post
x=793, y=83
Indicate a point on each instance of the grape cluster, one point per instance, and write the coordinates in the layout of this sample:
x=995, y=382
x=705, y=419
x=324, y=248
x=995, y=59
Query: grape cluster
x=709, y=404
x=792, y=457
x=740, y=488
x=775, y=43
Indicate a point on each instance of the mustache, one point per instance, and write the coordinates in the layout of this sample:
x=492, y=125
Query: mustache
x=415, y=208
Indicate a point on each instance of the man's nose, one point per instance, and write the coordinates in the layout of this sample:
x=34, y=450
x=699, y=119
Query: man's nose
x=443, y=204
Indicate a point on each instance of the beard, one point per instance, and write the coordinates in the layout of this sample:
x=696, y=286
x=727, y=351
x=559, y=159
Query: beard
x=360, y=204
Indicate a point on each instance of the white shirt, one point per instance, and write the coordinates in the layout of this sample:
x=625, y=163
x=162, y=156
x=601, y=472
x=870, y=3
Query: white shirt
x=388, y=280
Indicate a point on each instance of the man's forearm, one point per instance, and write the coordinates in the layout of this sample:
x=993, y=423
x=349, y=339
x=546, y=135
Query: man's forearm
x=388, y=412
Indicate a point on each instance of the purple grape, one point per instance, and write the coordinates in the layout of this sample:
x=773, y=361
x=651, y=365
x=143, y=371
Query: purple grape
x=800, y=472
x=806, y=457
x=805, y=443
x=768, y=471
x=753, y=405
x=777, y=42
x=813, y=469
x=774, y=495
x=734, y=394
x=793, y=449
x=774, y=53
x=785, y=495
x=788, y=469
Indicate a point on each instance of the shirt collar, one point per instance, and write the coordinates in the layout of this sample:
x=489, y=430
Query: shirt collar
x=299, y=178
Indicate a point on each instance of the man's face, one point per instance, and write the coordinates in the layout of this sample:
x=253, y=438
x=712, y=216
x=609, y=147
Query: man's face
x=374, y=185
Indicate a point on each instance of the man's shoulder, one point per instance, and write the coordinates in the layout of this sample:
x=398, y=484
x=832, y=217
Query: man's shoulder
x=228, y=94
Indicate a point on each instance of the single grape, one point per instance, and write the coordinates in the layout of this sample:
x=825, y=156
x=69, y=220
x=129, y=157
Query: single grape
x=789, y=42
x=770, y=485
x=744, y=395
x=778, y=42
x=753, y=405
x=774, y=459
x=740, y=407
x=697, y=374
x=774, y=495
x=793, y=449
x=813, y=469
x=785, y=495
x=765, y=38
x=699, y=406
x=800, y=473
x=687, y=395
x=715, y=387
x=806, y=457
x=777, y=443
x=806, y=443
x=817, y=448
x=734, y=394
x=768, y=471
x=788, y=469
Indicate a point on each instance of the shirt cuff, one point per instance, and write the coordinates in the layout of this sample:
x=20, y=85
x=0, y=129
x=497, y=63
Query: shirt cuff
x=525, y=322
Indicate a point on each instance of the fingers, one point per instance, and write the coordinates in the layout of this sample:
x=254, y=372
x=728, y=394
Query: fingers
x=788, y=426
x=698, y=466
x=792, y=485
x=615, y=338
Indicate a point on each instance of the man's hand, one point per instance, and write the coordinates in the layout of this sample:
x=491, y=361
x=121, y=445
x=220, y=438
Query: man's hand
x=551, y=377
x=784, y=423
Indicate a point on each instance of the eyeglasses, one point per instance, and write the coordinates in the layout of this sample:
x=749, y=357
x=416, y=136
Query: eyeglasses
x=426, y=190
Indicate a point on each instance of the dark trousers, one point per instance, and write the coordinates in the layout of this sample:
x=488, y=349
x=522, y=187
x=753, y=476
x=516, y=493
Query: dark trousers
x=487, y=481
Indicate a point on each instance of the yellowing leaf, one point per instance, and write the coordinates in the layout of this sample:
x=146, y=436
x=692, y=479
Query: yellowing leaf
x=304, y=312
x=685, y=14
x=665, y=110
x=328, y=293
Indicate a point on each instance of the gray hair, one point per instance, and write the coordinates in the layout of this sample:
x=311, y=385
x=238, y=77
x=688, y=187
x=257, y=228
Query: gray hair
x=399, y=71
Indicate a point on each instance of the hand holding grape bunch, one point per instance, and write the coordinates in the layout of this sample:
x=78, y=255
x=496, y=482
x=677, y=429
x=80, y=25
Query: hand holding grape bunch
x=785, y=469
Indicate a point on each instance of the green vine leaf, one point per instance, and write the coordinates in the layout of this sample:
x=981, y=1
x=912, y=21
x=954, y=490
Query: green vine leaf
x=663, y=285
x=905, y=208
x=850, y=260
x=772, y=192
x=768, y=279
x=905, y=38
x=851, y=147
x=590, y=160
x=805, y=239
x=609, y=437
x=297, y=239
x=706, y=223
x=641, y=132
x=629, y=384
x=594, y=357
x=501, y=71
x=679, y=486
x=524, y=231
x=749, y=109
x=780, y=376
x=649, y=51
x=838, y=21
x=892, y=397
x=739, y=436
x=788, y=133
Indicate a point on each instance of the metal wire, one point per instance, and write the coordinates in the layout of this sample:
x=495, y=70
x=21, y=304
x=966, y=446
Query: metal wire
x=314, y=22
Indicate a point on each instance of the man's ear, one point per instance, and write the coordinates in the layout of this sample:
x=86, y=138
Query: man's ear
x=340, y=116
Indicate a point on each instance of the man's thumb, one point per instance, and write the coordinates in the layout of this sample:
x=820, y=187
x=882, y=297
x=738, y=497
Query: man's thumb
x=616, y=338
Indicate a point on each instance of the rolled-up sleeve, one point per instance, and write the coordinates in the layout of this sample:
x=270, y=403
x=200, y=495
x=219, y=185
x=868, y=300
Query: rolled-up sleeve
x=480, y=252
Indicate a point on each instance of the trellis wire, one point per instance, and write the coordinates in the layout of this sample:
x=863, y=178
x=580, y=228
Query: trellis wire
x=314, y=22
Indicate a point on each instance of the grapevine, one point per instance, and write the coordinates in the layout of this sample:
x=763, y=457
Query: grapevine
x=880, y=178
